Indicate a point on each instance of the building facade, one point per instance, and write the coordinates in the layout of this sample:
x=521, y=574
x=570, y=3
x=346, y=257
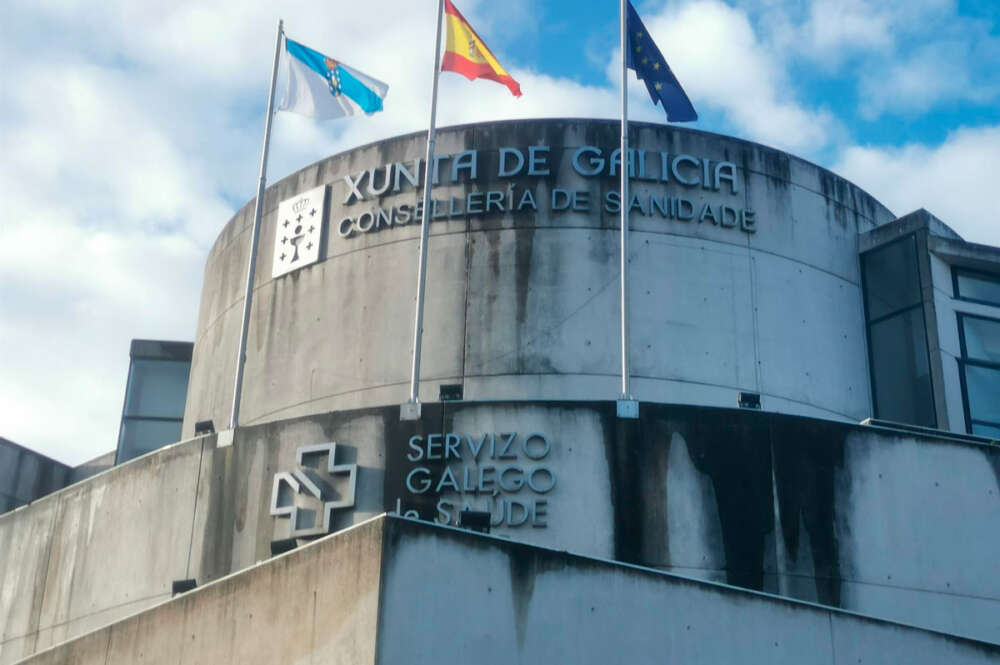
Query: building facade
x=851, y=517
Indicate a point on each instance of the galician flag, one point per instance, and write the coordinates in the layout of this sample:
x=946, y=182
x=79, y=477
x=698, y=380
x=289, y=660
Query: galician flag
x=466, y=53
x=324, y=88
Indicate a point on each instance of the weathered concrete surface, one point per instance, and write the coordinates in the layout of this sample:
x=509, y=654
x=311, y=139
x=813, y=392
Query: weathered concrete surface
x=522, y=303
x=232, y=525
x=452, y=597
x=96, y=551
x=399, y=591
x=316, y=605
x=881, y=522
x=113, y=544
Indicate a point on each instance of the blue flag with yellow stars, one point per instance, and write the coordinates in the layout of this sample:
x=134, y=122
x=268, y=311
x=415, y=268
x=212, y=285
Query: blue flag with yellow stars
x=652, y=69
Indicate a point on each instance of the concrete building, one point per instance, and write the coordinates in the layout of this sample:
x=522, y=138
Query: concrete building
x=851, y=518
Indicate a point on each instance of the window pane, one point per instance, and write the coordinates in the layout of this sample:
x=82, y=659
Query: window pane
x=139, y=437
x=992, y=431
x=891, y=279
x=902, y=379
x=983, y=387
x=978, y=287
x=157, y=388
x=982, y=339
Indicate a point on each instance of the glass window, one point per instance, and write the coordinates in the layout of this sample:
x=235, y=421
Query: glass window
x=982, y=385
x=980, y=368
x=982, y=339
x=977, y=286
x=140, y=436
x=901, y=377
x=891, y=279
x=897, y=336
x=989, y=431
x=157, y=388
x=154, y=397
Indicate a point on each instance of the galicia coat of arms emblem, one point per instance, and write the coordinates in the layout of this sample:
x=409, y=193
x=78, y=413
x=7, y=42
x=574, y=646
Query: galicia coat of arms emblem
x=298, y=231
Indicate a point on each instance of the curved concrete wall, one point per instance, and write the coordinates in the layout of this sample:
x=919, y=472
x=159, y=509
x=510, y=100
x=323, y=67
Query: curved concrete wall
x=761, y=293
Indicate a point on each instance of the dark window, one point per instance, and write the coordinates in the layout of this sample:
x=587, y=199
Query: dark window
x=142, y=435
x=154, y=397
x=902, y=381
x=977, y=286
x=157, y=388
x=897, y=335
x=980, y=370
x=891, y=279
x=991, y=431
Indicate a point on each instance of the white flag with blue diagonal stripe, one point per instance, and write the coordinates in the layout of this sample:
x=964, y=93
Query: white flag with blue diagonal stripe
x=324, y=88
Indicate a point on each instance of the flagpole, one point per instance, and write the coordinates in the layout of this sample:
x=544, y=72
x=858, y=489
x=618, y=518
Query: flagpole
x=248, y=294
x=627, y=408
x=411, y=409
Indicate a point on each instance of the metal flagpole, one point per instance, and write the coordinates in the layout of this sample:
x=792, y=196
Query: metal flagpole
x=627, y=408
x=411, y=410
x=248, y=296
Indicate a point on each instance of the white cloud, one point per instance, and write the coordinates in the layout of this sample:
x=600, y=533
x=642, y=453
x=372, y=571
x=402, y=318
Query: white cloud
x=715, y=52
x=838, y=25
x=831, y=32
x=936, y=73
x=953, y=180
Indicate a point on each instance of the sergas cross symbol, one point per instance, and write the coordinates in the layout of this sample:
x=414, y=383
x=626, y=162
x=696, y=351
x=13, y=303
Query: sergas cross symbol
x=307, y=496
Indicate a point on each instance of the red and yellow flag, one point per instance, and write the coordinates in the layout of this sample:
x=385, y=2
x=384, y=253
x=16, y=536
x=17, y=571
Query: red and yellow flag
x=466, y=53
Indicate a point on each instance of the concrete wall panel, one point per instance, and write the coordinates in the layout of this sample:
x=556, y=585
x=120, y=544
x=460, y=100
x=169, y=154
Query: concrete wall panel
x=510, y=603
x=318, y=604
x=805, y=318
x=98, y=550
x=25, y=540
x=921, y=519
x=692, y=312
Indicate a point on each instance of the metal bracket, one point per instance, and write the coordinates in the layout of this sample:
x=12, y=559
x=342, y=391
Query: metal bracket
x=628, y=409
x=409, y=411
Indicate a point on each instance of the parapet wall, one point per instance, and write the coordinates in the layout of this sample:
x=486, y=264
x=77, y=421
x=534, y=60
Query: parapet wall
x=395, y=592
x=891, y=524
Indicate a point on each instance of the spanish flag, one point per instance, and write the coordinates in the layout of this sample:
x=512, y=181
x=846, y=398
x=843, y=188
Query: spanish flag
x=466, y=53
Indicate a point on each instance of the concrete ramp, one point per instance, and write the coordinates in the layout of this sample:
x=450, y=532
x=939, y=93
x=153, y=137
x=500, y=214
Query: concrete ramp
x=396, y=591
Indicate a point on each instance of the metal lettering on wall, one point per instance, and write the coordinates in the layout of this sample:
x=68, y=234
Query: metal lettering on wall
x=298, y=231
x=504, y=474
x=307, y=495
x=663, y=183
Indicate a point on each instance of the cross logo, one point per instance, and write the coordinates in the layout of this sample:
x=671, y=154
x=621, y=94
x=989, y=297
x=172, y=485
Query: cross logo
x=307, y=495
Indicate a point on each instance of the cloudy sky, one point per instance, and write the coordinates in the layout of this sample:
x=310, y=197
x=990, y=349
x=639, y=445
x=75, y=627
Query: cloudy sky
x=130, y=131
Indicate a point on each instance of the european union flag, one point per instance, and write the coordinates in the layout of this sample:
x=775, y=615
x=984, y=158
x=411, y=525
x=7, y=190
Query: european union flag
x=652, y=69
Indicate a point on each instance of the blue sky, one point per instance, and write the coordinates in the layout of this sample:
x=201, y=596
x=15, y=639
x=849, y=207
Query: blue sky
x=943, y=37
x=133, y=134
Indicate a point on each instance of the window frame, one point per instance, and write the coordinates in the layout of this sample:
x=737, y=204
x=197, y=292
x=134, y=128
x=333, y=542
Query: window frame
x=869, y=322
x=956, y=270
x=963, y=362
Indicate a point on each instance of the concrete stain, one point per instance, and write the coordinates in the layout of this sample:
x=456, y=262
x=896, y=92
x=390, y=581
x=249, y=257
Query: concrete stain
x=807, y=458
x=526, y=565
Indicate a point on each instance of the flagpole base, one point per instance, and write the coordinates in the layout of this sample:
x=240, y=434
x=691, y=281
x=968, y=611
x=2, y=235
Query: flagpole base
x=628, y=408
x=409, y=410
